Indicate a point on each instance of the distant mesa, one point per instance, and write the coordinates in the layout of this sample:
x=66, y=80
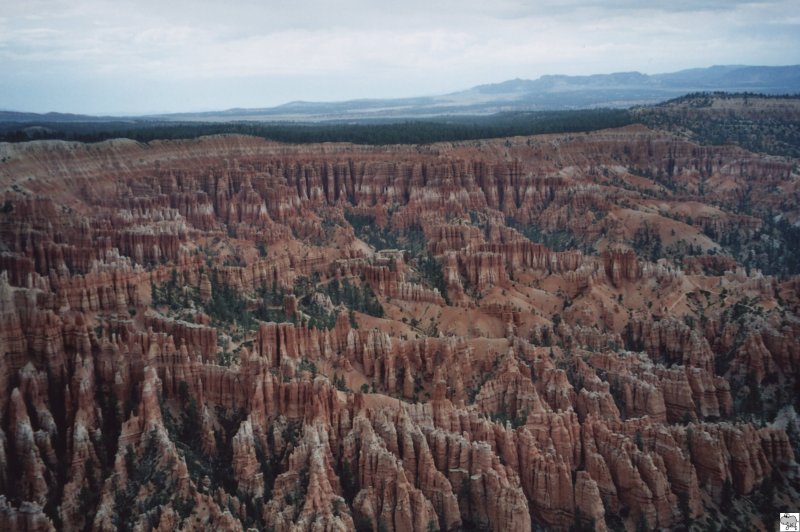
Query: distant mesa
x=550, y=92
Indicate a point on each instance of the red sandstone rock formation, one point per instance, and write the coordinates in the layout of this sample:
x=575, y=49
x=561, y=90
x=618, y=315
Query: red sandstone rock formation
x=432, y=417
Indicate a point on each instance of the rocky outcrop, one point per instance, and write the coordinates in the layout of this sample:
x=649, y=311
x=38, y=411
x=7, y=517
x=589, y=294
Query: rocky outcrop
x=32, y=483
x=28, y=517
x=197, y=338
x=246, y=469
x=170, y=357
x=388, y=282
x=483, y=269
x=621, y=266
x=672, y=341
x=588, y=504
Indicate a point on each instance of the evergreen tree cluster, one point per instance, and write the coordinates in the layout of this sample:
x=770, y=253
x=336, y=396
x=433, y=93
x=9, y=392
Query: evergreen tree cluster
x=146, y=471
x=173, y=294
x=561, y=239
x=354, y=297
x=226, y=306
x=647, y=242
x=365, y=229
x=774, y=248
x=758, y=130
x=430, y=269
x=439, y=129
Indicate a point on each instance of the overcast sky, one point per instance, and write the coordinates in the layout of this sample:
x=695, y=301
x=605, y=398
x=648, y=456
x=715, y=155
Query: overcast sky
x=144, y=56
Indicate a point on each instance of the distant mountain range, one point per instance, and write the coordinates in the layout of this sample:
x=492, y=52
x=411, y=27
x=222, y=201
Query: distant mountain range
x=552, y=92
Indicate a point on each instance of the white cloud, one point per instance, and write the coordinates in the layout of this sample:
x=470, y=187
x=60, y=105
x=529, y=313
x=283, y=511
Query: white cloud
x=359, y=48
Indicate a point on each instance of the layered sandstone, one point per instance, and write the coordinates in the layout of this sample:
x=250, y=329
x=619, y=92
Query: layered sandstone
x=507, y=384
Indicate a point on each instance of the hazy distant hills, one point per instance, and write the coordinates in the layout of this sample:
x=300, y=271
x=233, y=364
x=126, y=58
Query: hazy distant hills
x=552, y=92
x=18, y=116
x=545, y=93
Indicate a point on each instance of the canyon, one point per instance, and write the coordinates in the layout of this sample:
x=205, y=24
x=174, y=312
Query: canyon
x=586, y=331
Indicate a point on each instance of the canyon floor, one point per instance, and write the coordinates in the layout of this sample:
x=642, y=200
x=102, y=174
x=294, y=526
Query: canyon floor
x=586, y=331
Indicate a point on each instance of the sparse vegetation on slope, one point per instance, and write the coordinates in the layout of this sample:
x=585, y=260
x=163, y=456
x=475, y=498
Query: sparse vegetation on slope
x=756, y=122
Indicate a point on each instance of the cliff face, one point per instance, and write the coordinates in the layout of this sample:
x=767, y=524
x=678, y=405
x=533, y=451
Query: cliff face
x=229, y=333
